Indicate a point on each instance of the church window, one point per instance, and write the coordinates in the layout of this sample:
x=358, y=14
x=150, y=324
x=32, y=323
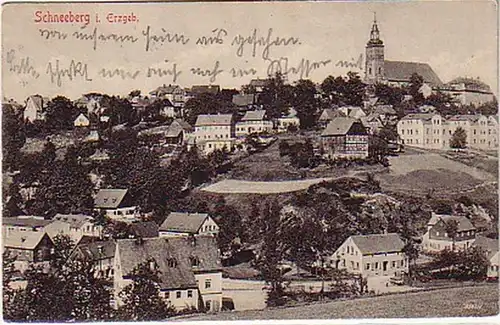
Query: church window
x=370, y=70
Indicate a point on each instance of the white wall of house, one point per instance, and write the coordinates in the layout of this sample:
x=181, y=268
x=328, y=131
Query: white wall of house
x=493, y=268
x=122, y=214
x=210, y=286
x=182, y=298
x=248, y=127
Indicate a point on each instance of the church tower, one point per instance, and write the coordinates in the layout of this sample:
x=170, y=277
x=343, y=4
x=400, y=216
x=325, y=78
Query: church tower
x=374, y=68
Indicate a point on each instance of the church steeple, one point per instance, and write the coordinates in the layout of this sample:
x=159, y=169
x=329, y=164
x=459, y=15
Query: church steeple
x=374, y=67
x=375, y=34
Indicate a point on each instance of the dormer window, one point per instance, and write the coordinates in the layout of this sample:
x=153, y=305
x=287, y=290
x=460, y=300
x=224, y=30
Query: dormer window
x=172, y=262
x=195, y=261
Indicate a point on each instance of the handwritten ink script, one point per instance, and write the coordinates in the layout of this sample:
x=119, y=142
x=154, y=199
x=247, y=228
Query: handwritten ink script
x=254, y=52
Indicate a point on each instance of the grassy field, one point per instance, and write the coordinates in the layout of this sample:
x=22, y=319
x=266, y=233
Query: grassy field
x=234, y=186
x=422, y=172
x=454, y=302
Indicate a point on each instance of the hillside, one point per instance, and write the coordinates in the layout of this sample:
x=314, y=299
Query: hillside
x=455, y=302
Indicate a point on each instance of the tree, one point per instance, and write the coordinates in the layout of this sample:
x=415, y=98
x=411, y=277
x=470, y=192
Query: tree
x=207, y=103
x=141, y=299
x=276, y=96
x=60, y=113
x=302, y=154
x=458, y=139
x=416, y=82
x=344, y=91
x=452, y=230
x=13, y=137
x=271, y=255
x=305, y=103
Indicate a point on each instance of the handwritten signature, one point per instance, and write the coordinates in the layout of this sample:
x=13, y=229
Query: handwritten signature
x=21, y=67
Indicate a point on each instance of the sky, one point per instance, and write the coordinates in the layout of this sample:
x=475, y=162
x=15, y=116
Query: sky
x=307, y=39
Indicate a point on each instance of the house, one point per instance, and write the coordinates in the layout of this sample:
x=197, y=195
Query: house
x=468, y=91
x=345, y=137
x=188, y=224
x=144, y=229
x=81, y=121
x=190, y=269
x=352, y=111
x=437, y=238
x=258, y=85
x=288, y=121
x=75, y=226
x=168, y=109
x=116, y=204
x=28, y=247
x=253, y=122
x=245, y=101
x=377, y=255
x=490, y=248
x=35, y=108
x=329, y=114
x=174, y=93
x=432, y=131
x=214, y=132
x=101, y=253
x=24, y=224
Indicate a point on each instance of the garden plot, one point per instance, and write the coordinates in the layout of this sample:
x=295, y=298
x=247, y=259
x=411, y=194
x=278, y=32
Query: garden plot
x=233, y=186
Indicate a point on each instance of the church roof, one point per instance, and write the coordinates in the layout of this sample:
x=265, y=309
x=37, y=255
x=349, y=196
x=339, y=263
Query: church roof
x=402, y=71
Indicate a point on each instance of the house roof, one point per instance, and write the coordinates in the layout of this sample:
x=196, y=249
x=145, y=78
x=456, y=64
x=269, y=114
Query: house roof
x=352, y=111
x=384, y=109
x=201, y=89
x=378, y=243
x=258, y=82
x=329, y=114
x=243, y=99
x=185, y=125
x=164, y=250
x=23, y=240
x=144, y=229
x=402, y=71
x=469, y=84
x=37, y=101
x=257, y=115
x=97, y=250
x=489, y=245
x=471, y=118
x=26, y=221
x=109, y=198
x=74, y=220
x=183, y=222
x=214, y=119
x=164, y=90
x=419, y=116
x=339, y=126
x=464, y=224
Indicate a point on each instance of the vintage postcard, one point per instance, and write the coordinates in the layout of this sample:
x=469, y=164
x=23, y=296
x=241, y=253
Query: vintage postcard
x=249, y=160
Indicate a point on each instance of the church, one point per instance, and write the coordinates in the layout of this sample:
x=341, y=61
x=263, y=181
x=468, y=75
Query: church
x=395, y=73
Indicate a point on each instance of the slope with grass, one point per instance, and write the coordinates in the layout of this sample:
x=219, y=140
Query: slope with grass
x=453, y=302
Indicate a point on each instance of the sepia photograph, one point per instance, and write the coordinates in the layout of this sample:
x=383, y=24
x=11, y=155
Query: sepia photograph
x=225, y=161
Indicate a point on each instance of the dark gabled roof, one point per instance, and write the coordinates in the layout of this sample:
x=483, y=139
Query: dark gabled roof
x=164, y=90
x=74, y=220
x=214, y=119
x=183, y=222
x=203, y=89
x=384, y=109
x=26, y=221
x=178, y=250
x=37, y=100
x=96, y=250
x=144, y=229
x=401, y=71
x=257, y=115
x=23, y=240
x=339, y=126
x=109, y=198
x=243, y=100
x=464, y=224
x=329, y=114
x=378, y=243
x=185, y=125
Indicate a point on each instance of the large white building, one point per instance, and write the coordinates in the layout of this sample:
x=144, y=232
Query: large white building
x=433, y=131
x=214, y=132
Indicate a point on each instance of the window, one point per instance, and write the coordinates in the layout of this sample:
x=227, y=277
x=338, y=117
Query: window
x=357, y=266
x=194, y=261
x=208, y=304
x=376, y=265
x=367, y=266
x=190, y=293
x=178, y=294
x=208, y=284
x=393, y=264
x=172, y=262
